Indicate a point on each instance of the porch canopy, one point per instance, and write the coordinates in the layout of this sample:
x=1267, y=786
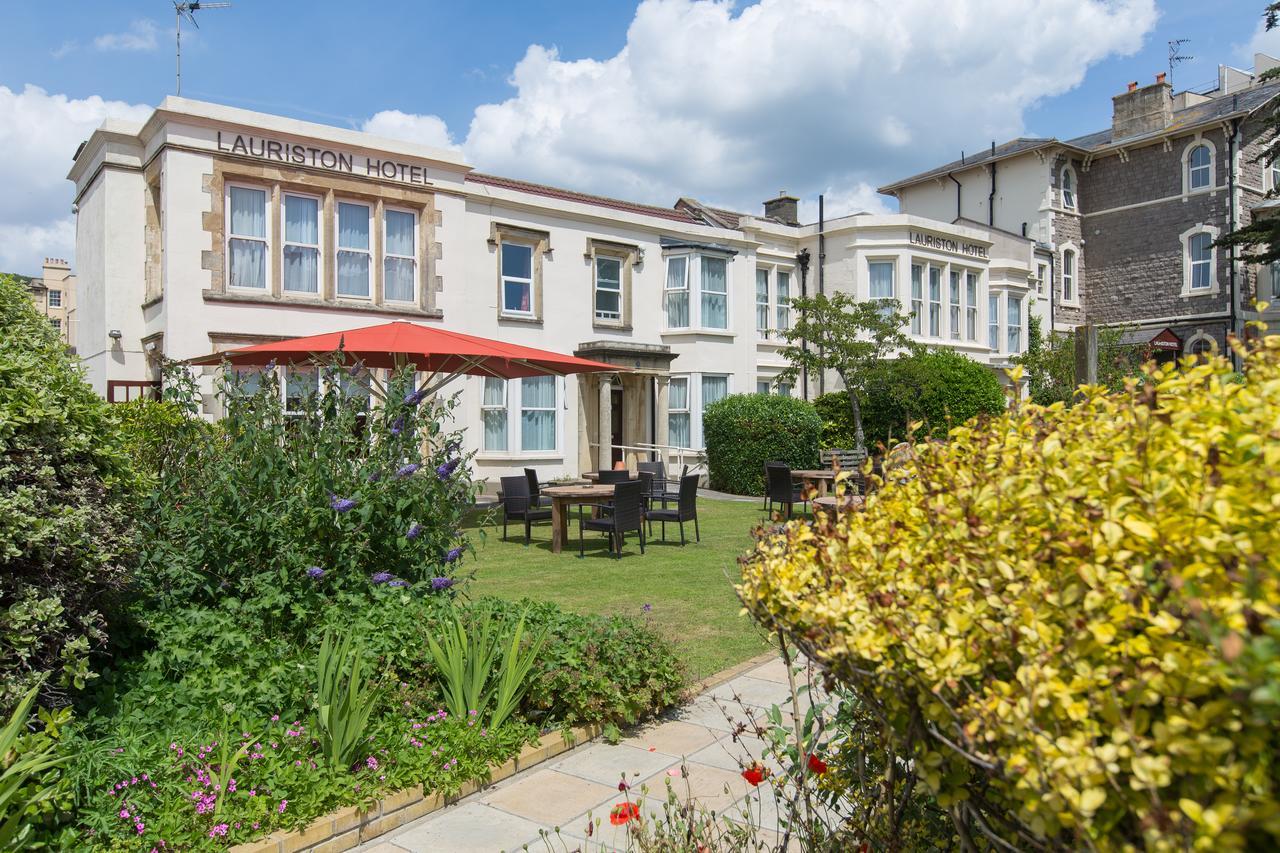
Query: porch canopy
x=440, y=353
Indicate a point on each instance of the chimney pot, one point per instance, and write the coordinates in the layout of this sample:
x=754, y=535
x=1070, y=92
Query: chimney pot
x=1142, y=109
x=1160, y=77
x=784, y=208
x=1133, y=87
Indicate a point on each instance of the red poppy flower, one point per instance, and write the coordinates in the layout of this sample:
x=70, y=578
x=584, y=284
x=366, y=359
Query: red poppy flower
x=755, y=774
x=817, y=765
x=623, y=812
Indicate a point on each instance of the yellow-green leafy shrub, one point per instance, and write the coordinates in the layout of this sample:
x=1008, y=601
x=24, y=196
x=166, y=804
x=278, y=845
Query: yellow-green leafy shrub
x=1068, y=618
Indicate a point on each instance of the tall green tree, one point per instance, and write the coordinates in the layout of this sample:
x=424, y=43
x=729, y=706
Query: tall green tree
x=1050, y=363
x=1259, y=241
x=850, y=338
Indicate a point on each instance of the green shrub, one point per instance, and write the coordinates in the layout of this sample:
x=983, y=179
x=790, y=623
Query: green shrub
x=66, y=539
x=940, y=388
x=1068, y=619
x=744, y=431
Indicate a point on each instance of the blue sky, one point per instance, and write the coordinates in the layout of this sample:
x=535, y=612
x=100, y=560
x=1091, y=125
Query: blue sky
x=729, y=103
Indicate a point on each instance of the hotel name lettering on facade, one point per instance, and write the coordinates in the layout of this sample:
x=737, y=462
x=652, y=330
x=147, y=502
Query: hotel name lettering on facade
x=946, y=244
x=299, y=154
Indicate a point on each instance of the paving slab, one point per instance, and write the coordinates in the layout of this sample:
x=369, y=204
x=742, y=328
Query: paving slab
x=749, y=690
x=549, y=796
x=674, y=738
x=606, y=763
x=468, y=828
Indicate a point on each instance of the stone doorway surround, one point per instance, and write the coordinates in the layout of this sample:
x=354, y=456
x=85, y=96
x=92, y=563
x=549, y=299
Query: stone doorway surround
x=644, y=372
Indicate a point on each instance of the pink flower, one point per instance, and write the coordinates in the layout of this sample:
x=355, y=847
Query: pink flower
x=275, y=718
x=283, y=805
x=124, y=813
x=219, y=830
x=140, y=826
x=371, y=763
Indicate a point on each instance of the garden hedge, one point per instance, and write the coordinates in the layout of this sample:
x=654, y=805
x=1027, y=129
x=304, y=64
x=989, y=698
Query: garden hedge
x=743, y=431
x=940, y=388
x=1068, y=619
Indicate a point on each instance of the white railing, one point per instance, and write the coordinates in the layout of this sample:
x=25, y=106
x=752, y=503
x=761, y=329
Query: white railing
x=674, y=458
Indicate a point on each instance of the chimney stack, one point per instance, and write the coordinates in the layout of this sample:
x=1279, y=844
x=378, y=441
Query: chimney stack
x=783, y=208
x=1142, y=109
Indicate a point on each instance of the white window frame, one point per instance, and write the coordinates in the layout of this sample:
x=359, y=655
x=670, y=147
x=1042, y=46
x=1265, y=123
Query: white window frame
x=289, y=371
x=1070, y=275
x=668, y=291
x=387, y=254
x=891, y=305
x=514, y=408
x=764, y=308
x=1187, y=188
x=503, y=278
x=265, y=240
x=728, y=306
x=917, y=298
x=503, y=407
x=782, y=303
x=1070, y=194
x=995, y=329
x=955, y=301
x=935, y=305
x=607, y=317
x=56, y=322
x=1272, y=175
x=338, y=248
x=1188, y=267
x=54, y=298
x=698, y=438
x=971, y=296
x=1273, y=273
x=1014, y=336
x=285, y=242
x=519, y=410
x=1042, y=275
x=1189, y=347
x=685, y=412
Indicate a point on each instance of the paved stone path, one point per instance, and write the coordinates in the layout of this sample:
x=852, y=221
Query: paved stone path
x=560, y=793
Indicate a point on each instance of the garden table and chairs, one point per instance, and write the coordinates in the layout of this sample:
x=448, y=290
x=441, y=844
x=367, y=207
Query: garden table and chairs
x=841, y=503
x=686, y=509
x=817, y=479
x=563, y=498
x=622, y=515
x=518, y=505
x=780, y=487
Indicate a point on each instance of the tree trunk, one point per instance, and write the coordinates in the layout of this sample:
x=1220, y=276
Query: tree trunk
x=859, y=439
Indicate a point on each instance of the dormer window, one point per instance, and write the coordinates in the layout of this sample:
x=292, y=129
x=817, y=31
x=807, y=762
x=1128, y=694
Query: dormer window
x=1068, y=188
x=1199, y=168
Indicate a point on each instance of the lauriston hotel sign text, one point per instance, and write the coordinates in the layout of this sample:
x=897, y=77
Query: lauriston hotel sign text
x=298, y=154
x=946, y=244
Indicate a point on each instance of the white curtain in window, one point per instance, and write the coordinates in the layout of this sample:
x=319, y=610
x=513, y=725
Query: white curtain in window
x=762, y=300
x=1014, y=321
x=715, y=299
x=301, y=262
x=678, y=413
x=353, y=233
x=494, y=413
x=353, y=274
x=714, y=389
x=400, y=233
x=248, y=263
x=353, y=226
x=301, y=220
x=248, y=212
x=677, y=293
x=784, y=300
x=538, y=413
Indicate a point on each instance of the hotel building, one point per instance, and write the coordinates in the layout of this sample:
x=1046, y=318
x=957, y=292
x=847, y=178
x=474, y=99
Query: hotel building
x=207, y=228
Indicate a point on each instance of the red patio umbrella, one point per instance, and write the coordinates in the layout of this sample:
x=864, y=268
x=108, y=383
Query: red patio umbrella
x=435, y=351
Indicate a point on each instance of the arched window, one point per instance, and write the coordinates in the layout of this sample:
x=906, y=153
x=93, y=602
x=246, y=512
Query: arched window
x=1068, y=188
x=1200, y=168
x=1200, y=257
x=1068, y=275
x=1201, y=345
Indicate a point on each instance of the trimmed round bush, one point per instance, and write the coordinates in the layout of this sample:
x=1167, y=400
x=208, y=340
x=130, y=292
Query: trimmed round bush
x=940, y=388
x=744, y=431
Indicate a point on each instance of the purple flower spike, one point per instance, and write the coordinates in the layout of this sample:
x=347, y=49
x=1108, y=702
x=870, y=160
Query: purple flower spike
x=338, y=504
x=407, y=470
x=415, y=530
x=438, y=584
x=381, y=577
x=315, y=573
x=397, y=426
x=445, y=471
x=413, y=398
x=648, y=608
x=398, y=582
x=374, y=477
x=453, y=554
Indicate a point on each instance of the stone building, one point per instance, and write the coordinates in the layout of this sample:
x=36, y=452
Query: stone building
x=54, y=295
x=1125, y=219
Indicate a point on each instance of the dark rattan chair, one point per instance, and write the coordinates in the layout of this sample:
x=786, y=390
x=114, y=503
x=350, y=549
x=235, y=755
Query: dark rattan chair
x=610, y=477
x=627, y=515
x=517, y=506
x=658, y=488
x=536, y=498
x=686, y=509
x=780, y=490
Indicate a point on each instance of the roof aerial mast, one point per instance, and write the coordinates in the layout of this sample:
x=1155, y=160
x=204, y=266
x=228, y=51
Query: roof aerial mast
x=187, y=9
x=1176, y=57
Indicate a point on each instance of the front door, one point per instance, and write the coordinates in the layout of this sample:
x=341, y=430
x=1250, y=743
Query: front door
x=615, y=424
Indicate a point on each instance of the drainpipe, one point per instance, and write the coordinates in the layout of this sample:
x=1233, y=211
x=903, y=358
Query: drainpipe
x=958, y=187
x=802, y=261
x=1053, y=289
x=822, y=263
x=1232, y=142
x=991, y=199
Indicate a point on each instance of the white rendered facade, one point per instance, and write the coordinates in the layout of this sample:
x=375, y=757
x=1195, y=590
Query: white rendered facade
x=208, y=228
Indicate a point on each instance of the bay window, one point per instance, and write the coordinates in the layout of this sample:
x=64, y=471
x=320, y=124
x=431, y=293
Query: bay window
x=400, y=258
x=517, y=278
x=526, y=407
x=762, y=303
x=354, y=249
x=714, y=389
x=993, y=322
x=971, y=306
x=678, y=433
x=608, y=288
x=1013, y=323
x=493, y=414
x=784, y=300
x=301, y=248
x=917, y=298
x=538, y=413
x=247, y=238
x=677, y=292
x=935, y=302
x=954, y=314
x=881, y=285
x=715, y=293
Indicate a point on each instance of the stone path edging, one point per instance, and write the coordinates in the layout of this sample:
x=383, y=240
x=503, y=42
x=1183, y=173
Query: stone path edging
x=350, y=827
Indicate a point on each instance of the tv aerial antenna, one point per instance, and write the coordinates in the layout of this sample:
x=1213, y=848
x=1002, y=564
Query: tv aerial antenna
x=1176, y=57
x=187, y=9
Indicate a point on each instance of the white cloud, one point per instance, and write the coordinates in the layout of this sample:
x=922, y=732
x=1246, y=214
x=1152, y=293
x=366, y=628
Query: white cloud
x=845, y=198
x=39, y=133
x=709, y=100
x=141, y=35
x=1262, y=41
x=422, y=129
x=65, y=49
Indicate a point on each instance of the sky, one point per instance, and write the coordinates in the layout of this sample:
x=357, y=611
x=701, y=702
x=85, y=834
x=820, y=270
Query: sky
x=726, y=102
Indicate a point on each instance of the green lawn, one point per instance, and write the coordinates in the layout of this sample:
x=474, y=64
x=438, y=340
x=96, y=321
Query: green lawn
x=690, y=588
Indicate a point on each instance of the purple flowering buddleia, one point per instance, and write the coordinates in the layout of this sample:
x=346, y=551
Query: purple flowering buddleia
x=397, y=426
x=414, y=531
x=398, y=582
x=381, y=577
x=413, y=398
x=315, y=573
x=374, y=477
x=445, y=470
x=453, y=554
x=338, y=504
x=440, y=584
x=407, y=470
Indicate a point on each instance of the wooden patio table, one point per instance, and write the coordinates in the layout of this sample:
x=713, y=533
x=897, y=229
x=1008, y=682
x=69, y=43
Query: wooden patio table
x=819, y=478
x=562, y=498
x=834, y=504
